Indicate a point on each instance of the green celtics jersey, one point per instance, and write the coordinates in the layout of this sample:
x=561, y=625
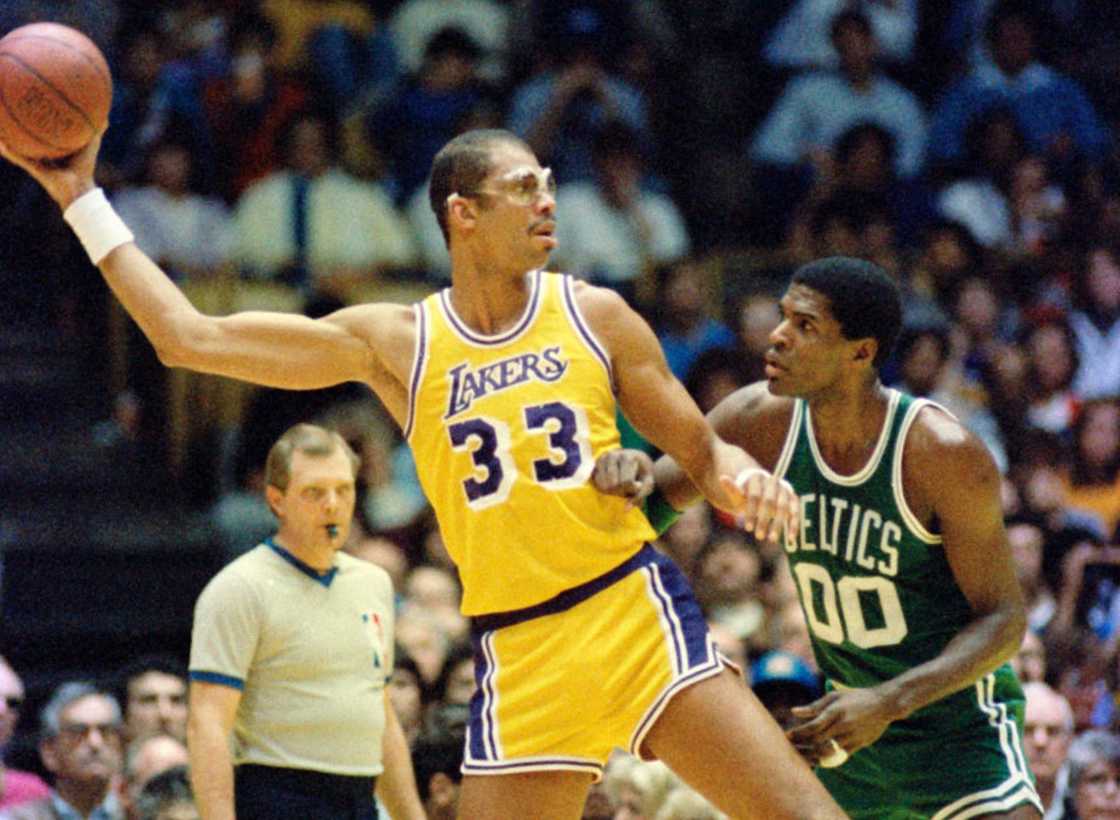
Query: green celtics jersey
x=879, y=598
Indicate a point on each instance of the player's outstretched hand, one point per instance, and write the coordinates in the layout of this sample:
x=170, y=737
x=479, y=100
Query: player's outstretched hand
x=833, y=727
x=624, y=472
x=767, y=504
x=63, y=179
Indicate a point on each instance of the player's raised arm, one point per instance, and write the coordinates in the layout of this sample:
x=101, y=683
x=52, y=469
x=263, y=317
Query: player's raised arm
x=659, y=407
x=274, y=349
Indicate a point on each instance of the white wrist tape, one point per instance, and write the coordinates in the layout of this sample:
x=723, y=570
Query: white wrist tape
x=96, y=224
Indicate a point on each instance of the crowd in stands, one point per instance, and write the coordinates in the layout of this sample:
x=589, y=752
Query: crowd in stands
x=703, y=150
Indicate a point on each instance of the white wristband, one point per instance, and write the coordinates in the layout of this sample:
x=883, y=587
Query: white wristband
x=96, y=224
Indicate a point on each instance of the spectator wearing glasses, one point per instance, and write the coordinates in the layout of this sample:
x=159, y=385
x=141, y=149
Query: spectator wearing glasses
x=1093, y=769
x=80, y=745
x=15, y=786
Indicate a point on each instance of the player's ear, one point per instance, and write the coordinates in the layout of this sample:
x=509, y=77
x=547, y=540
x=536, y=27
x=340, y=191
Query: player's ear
x=866, y=350
x=273, y=496
x=461, y=210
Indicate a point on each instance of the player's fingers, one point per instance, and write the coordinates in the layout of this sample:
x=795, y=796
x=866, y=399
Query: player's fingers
x=815, y=730
x=785, y=509
x=749, y=486
x=605, y=474
x=14, y=158
x=811, y=710
x=768, y=498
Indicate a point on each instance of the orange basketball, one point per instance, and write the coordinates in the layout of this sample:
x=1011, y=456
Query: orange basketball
x=55, y=90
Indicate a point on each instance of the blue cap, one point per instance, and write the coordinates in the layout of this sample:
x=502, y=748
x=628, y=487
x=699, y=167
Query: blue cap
x=784, y=667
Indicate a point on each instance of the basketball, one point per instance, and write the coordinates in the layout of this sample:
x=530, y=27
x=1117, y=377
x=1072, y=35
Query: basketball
x=55, y=90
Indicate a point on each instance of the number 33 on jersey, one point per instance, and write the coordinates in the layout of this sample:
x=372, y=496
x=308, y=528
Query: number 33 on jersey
x=505, y=430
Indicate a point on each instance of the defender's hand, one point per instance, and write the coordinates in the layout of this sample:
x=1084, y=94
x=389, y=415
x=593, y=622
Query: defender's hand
x=626, y=473
x=766, y=503
x=853, y=718
x=63, y=179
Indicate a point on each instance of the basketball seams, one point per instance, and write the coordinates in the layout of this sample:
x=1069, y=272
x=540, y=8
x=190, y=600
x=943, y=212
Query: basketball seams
x=98, y=64
x=32, y=70
x=23, y=128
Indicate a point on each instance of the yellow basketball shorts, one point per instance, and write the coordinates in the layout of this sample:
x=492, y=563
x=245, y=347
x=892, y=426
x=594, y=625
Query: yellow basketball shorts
x=563, y=683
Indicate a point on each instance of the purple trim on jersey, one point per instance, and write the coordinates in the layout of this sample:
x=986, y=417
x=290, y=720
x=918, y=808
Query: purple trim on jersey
x=568, y=598
x=492, y=341
x=669, y=620
x=533, y=764
x=584, y=331
x=681, y=611
x=417, y=366
x=483, y=725
x=217, y=677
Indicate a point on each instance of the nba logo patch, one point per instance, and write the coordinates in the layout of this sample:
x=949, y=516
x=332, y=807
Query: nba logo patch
x=372, y=623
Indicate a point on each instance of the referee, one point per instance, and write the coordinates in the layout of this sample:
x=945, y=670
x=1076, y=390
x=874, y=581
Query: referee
x=290, y=653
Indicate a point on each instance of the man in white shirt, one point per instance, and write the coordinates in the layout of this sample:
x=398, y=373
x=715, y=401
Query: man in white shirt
x=816, y=108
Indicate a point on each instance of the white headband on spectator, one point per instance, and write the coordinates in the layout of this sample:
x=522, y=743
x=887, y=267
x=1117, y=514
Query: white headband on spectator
x=96, y=224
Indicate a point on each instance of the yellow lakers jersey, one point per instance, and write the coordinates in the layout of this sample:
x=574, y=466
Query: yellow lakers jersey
x=505, y=430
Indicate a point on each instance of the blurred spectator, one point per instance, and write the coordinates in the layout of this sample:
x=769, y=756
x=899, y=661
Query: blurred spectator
x=1094, y=482
x=949, y=253
x=683, y=803
x=968, y=21
x=815, y=109
x=1047, y=732
x=559, y=112
x=415, y=22
x=435, y=591
x=687, y=307
x=863, y=167
x=717, y=373
x=1096, y=323
x=923, y=353
x=337, y=43
x=188, y=235
x=456, y=683
x=781, y=680
x=153, y=690
x=423, y=113
x=801, y=39
x=248, y=107
x=389, y=494
x=313, y=225
x=758, y=313
x=686, y=538
x=80, y=745
x=1053, y=111
x=726, y=583
x=381, y=551
x=424, y=640
x=145, y=759
x=1027, y=539
x=1093, y=772
x=613, y=229
x=437, y=757
x=156, y=94
x=1030, y=661
x=636, y=788
x=790, y=631
x=16, y=786
x=168, y=796
x=406, y=694
x=980, y=198
x=1090, y=590
x=1053, y=361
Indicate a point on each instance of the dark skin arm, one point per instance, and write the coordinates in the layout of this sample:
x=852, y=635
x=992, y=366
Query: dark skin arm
x=949, y=477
